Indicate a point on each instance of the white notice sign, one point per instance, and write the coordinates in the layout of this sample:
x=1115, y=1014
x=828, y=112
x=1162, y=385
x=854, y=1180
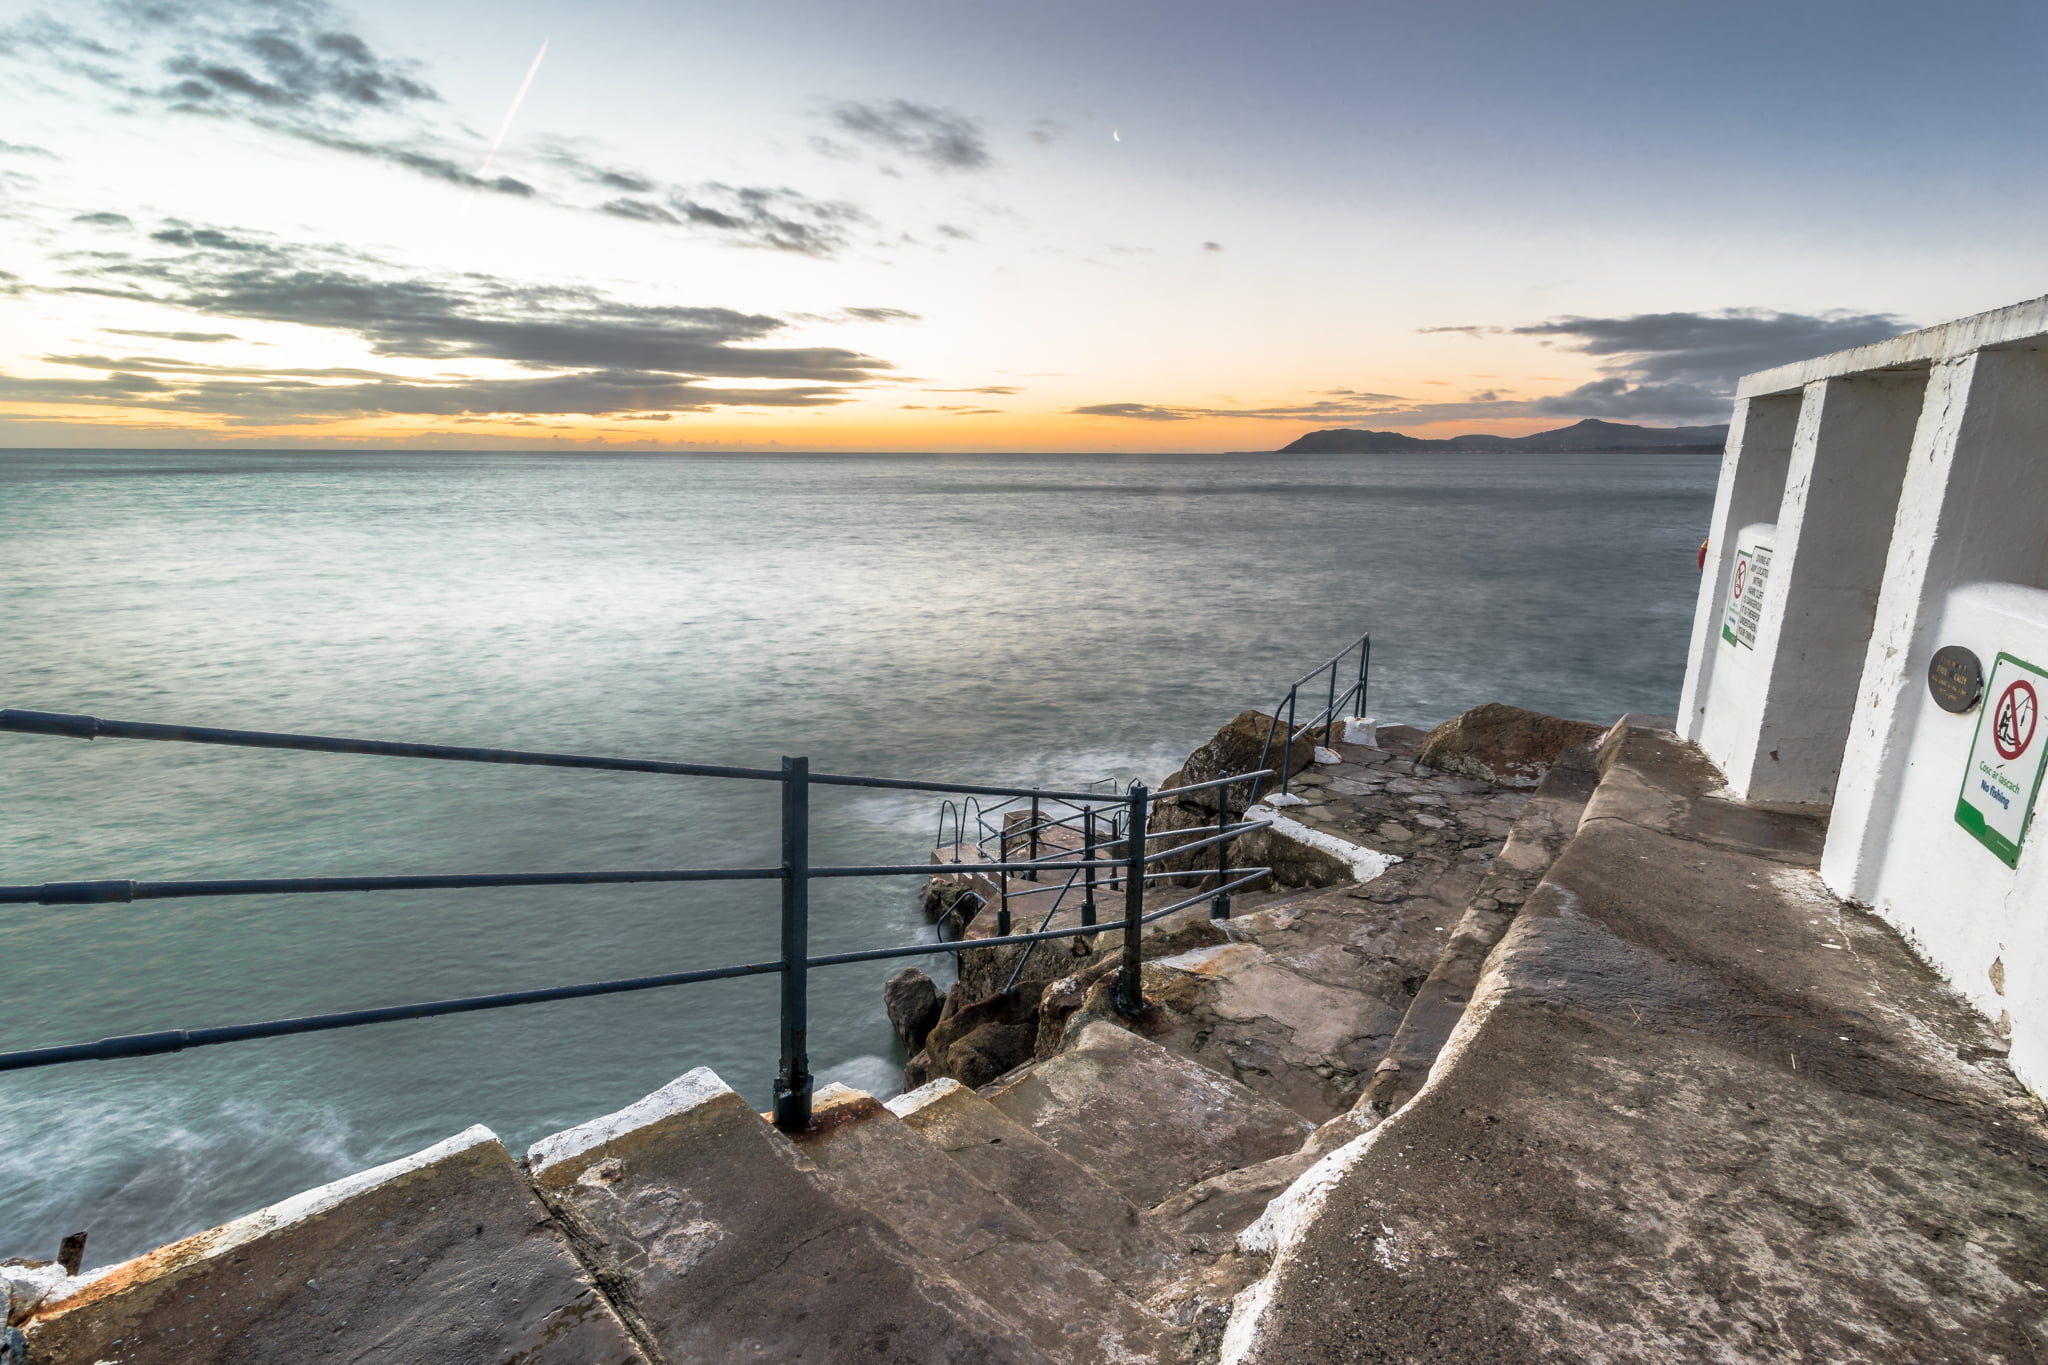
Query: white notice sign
x=2005, y=761
x=1746, y=596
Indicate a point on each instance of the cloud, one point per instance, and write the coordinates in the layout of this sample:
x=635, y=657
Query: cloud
x=183, y=234
x=1212, y=246
x=108, y=220
x=884, y=315
x=24, y=149
x=417, y=158
x=590, y=353
x=1138, y=412
x=1045, y=131
x=943, y=139
x=295, y=69
x=958, y=234
x=1384, y=408
x=985, y=388
x=291, y=57
x=1469, y=329
x=172, y=336
x=1683, y=366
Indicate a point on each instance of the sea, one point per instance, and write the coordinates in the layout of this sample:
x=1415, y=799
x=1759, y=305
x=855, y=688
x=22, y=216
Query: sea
x=1002, y=619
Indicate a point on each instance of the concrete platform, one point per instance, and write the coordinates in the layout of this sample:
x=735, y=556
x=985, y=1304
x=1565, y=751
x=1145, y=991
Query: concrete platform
x=443, y=1256
x=1698, y=1110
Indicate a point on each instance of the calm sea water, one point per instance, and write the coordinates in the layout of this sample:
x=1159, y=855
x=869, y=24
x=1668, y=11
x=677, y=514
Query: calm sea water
x=989, y=619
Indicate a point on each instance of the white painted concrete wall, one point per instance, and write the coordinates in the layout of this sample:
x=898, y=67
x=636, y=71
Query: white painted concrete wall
x=1905, y=485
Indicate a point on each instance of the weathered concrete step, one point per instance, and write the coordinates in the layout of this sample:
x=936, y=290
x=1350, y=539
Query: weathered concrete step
x=1063, y=1307
x=1144, y=1119
x=1541, y=831
x=723, y=1242
x=443, y=1256
x=1068, y=1199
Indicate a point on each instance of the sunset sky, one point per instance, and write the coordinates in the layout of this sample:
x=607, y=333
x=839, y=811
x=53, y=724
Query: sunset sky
x=970, y=226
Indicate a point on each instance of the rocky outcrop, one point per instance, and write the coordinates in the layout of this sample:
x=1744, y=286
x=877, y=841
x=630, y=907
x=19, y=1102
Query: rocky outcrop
x=913, y=1004
x=1503, y=744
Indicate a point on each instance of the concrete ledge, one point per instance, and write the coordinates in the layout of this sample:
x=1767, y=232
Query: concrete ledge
x=2001, y=326
x=1697, y=1110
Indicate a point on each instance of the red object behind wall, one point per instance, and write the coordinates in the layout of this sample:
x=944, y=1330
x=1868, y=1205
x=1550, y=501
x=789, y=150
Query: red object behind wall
x=1703, y=556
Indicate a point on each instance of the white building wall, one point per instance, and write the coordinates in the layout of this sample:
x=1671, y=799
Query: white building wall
x=1910, y=512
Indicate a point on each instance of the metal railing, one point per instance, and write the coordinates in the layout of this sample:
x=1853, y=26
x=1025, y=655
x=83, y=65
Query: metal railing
x=1334, y=704
x=792, y=1107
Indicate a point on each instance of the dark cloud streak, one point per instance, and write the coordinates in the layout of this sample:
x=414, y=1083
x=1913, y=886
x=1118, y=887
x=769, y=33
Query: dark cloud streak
x=942, y=139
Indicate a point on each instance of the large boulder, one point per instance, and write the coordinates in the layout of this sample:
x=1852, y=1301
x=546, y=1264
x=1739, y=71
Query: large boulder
x=913, y=1004
x=1240, y=747
x=1503, y=744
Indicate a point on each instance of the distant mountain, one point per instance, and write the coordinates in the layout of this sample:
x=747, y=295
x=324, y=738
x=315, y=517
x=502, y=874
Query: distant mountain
x=1578, y=438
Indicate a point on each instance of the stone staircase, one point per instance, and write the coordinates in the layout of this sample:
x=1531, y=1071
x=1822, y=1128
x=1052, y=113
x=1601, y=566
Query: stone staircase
x=1084, y=1207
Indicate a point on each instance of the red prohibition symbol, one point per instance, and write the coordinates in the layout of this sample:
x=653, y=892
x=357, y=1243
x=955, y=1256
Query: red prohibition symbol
x=2012, y=724
x=1741, y=577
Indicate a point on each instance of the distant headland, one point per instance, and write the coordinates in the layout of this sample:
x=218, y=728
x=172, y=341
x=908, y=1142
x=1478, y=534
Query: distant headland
x=1584, y=437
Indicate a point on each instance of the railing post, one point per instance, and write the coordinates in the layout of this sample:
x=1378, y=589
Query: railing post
x=1130, y=997
x=1088, y=856
x=1330, y=710
x=1287, y=744
x=1031, y=849
x=793, y=1085
x=1220, y=907
x=1364, y=674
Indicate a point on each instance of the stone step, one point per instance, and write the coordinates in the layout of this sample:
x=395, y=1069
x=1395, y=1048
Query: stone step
x=1063, y=1307
x=1144, y=1119
x=1091, y=1217
x=442, y=1256
x=723, y=1242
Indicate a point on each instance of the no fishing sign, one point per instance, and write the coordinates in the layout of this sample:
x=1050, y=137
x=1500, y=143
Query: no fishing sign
x=2005, y=768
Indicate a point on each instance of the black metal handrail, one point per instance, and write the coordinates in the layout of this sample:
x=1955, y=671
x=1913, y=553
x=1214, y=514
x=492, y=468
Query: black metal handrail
x=792, y=1109
x=1333, y=705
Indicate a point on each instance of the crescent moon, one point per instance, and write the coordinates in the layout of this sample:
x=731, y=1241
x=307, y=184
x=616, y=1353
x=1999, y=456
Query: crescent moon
x=1116, y=135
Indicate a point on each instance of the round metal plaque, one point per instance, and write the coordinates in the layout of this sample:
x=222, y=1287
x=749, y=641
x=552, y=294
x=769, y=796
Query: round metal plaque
x=1956, y=678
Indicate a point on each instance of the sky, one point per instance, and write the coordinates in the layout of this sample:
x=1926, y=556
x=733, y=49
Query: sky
x=1107, y=226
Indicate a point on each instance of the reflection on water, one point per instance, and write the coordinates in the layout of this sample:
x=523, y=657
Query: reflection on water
x=971, y=618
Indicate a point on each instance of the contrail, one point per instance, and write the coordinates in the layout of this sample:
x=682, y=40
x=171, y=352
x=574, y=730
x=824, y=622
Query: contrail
x=511, y=113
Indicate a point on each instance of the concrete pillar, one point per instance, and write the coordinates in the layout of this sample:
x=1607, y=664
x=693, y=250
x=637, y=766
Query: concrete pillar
x=1752, y=484
x=1834, y=526
x=1970, y=510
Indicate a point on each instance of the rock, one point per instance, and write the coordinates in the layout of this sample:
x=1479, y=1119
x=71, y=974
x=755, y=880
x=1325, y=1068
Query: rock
x=1503, y=744
x=1239, y=747
x=980, y=1042
x=913, y=1004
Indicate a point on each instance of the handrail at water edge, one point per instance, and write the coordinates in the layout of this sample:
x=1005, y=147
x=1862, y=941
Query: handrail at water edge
x=792, y=1109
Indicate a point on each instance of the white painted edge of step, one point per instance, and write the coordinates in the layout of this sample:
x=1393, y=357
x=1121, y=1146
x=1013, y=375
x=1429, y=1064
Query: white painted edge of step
x=1278, y=1231
x=904, y=1105
x=1365, y=863
x=685, y=1092
x=283, y=1214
